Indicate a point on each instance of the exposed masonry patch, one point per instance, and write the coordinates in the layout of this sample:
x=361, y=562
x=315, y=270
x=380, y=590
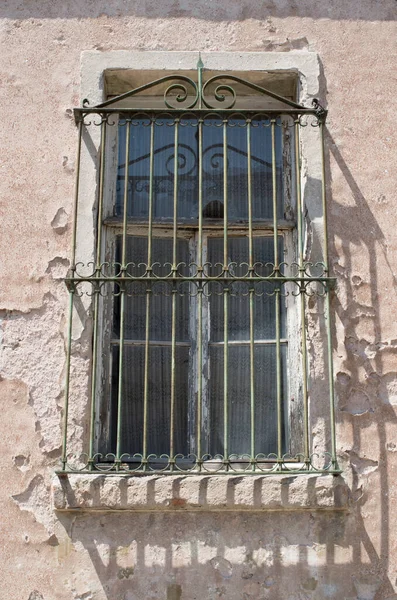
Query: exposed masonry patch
x=366, y=350
x=84, y=596
x=53, y=540
x=269, y=582
x=286, y=45
x=125, y=573
x=22, y=462
x=68, y=165
x=27, y=341
x=375, y=389
x=249, y=568
x=357, y=311
x=57, y=267
x=362, y=465
x=310, y=584
x=352, y=400
x=381, y=199
x=222, y=566
x=60, y=222
x=35, y=595
x=357, y=403
x=388, y=388
x=366, y=587
x=35, y=499
x=357, y=281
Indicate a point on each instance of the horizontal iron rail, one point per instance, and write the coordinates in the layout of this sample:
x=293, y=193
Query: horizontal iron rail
x=80, y=112
x=185, y=472
x=180, y=279
x=116, y=342
x=260, y=225
x=247, y=342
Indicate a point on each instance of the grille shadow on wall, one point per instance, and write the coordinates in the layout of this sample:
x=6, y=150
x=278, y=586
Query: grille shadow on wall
x=211, y=335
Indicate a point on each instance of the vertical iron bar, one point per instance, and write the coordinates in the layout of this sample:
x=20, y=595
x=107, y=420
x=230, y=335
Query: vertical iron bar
x=200, y=288
x=225, y=301
x=200, y=198
x=277, y=295
x=174, y=293
x=328, y=300
x=101, y=193
x=175, y=210
x=122, y=295
x=76, y=193
x=251, y=293
x=96, y=293
x=148, y=298
x=302, y=293
x=71, y=297
x=200, y=67
x=67, y=380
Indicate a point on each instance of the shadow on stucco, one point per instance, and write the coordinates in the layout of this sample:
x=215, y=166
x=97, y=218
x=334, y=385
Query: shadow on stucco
x=363, y=401
x=224, y=10
x=229, y=555
x=218, y=555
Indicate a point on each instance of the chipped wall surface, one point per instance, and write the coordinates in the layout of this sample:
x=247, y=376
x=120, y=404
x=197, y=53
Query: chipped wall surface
x=95, y=547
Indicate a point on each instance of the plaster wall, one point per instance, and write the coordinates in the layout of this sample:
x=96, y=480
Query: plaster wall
x=294, y=551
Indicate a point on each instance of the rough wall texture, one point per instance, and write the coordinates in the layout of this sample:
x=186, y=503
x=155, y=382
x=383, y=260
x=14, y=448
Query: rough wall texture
x=185, y=556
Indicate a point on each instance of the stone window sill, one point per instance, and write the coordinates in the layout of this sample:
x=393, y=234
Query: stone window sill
x=103, y=493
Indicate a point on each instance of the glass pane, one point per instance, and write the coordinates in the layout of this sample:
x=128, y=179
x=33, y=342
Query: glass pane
x=187, y=169
x=261, y=165
x=212, y=165
x=163, y=170
x=138, y=168
x=159, y=397
x=239, y=400
x=266, y=398
x=160, y=303
x=237, y=170
x=212, y=168
x=239, y=301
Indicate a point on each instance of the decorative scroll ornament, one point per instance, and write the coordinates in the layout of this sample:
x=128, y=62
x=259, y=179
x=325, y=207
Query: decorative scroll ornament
x=179, y=84
x=321, y=113
x=220, y=92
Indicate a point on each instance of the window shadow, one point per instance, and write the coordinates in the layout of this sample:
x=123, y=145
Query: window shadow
x=362, y=395
x=223, y=554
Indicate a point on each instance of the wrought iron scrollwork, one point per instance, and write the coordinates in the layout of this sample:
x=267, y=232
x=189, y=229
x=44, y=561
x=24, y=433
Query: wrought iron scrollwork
x=263, y=464
x=221, y=92
x=321, y=113
x=225, y=91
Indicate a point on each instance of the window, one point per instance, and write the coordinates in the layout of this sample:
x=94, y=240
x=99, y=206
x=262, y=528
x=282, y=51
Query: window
x=201, y=282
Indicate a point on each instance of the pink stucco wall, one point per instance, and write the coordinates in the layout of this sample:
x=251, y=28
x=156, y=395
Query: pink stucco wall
x=285, y=554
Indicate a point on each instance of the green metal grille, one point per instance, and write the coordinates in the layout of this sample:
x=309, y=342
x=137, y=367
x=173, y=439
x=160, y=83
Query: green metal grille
x=205, y=419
